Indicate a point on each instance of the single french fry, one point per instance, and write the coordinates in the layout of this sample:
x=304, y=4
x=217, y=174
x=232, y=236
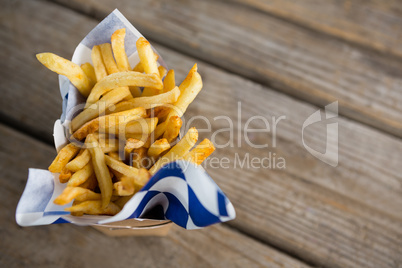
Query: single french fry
x=81, y=175
x=95, y=207
x=149, y=102
x=99, y=107
x=99, y=66
x=157, y=148
x=169, y=97
x=89, y=71
x=140, y=68
x=65, y=175
x=177, y=151
x=79, y=162
x=122, y=79
x=187, y=95
x=67, y=68
x=169, y=82
x=107, y=55
x=186, y=82
x=77, y=193
x=63, y=157
x=100, y=168
x=119, y=49
x=147, y=57
x=173, y=128
x=121, y=167
x=200, y=152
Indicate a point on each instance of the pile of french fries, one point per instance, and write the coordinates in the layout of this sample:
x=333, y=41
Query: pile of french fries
x=124, y=134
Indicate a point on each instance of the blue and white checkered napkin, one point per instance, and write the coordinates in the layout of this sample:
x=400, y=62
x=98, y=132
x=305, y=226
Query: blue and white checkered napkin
x=180, y=191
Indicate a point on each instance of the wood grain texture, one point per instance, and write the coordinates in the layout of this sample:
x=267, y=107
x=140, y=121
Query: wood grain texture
x=348, y=216
x=375, y=24
x=66, y=245
x=303, y=63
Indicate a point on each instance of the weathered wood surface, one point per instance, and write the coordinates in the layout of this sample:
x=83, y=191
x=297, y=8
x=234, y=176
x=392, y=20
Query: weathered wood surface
x=375, y=24
x=303, y=63
x=347, y=216
x=65, y=245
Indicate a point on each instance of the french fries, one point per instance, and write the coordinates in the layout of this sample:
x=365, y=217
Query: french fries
x=78, y=193
x=177, y=151
x=110, y=64
x=99, y=107
x=119, y=49
x=65, y=67
x=63, y=157
x=169, y=81
x=128, y=135
x=99, y=67
x=89, y=71
x=79, y=162
x=122, y=79
x=95, y=207
x=173, y=131
x=155, y=101
x=200, y=152
x=100, y=168
x=146, y=55
x=81, y=175
x=157, y=148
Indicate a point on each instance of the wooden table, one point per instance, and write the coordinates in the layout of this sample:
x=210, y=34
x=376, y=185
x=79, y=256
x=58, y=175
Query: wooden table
x=278, y=58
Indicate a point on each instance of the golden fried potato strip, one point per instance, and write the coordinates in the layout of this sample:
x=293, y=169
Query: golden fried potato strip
x=67, y=68
x=119, y=50
x=95, y=207
x=101, y=170
x=177, y=151
x=63, y=157
x=122, y=79
x=200, y=152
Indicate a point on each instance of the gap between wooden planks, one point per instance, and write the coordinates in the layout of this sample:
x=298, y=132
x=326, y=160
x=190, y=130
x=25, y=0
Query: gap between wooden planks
x=302, y=209
x=308, y=65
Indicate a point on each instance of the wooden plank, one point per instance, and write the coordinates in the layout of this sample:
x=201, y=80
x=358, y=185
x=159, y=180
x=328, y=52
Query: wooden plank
x=66, y=245
x=338, y=217
x=376, y=24
x=290, y=58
